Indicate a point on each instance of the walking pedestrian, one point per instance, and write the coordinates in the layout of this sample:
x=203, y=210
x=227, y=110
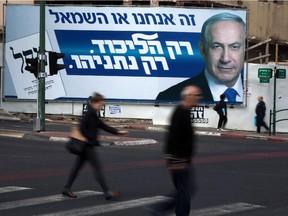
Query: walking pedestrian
x=260, y=111
x=89, y=127
x=222, y=112
x=179, y=150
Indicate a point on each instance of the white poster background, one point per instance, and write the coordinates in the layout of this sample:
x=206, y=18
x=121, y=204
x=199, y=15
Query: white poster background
x=26, y=85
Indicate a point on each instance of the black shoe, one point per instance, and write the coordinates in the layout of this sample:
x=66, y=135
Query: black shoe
x=67, y=192
x=111, y=195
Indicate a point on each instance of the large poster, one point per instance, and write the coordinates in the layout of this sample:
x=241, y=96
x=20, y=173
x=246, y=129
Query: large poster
x=132, y=53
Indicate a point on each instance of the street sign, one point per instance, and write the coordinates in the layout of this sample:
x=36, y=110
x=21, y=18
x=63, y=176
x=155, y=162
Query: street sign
x=264, y=80
x=265, y=73
x=281, y=73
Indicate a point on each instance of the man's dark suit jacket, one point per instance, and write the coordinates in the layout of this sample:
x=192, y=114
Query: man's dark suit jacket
x=173, y=93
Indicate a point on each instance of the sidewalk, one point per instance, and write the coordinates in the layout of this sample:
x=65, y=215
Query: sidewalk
x=130, y=124
x=205, y=131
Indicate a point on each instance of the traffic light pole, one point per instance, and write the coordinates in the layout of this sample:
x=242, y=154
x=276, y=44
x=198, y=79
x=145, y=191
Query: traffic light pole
x=41, y=75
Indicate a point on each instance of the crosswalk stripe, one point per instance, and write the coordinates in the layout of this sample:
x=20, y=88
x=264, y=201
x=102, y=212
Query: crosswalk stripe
x=13, y=189
x=100, y=209
x=210, y=211
x=225, y=209
x=43, y=200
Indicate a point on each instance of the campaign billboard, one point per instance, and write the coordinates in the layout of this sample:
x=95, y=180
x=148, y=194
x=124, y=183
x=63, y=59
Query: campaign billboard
x=125, y=53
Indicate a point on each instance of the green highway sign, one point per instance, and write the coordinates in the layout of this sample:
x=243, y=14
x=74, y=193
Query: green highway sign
x=264, y=80
x=281, y=73
x=265, y=73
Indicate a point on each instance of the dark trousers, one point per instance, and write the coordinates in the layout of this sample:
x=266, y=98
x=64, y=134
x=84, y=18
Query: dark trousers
x=184, y=184
x=222, y=121
x=181, y=181
x=91, y=156
x=260, y=122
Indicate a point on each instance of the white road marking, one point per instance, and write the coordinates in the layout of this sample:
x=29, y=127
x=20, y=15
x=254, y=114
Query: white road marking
x=43, y=200
x=210, y=211
x=112, y=207
x=225, y=209
x=100, y=209
x=12, y=189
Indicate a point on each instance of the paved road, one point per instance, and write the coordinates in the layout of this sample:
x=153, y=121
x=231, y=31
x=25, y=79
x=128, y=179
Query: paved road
x=235, y=177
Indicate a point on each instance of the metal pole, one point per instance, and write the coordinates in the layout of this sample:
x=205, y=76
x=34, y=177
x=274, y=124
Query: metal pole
x=274, y=98
x=42, y=75
x=274, y=103
x=270, y=123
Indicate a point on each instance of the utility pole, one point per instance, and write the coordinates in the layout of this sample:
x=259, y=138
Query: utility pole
x=274, y=96
x=274, y=101
x=40, y=121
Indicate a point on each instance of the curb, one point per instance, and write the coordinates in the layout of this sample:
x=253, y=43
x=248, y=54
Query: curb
x=29, y=135
x=142, y=127
x=16, y=134
x=137, y=141
x=9, y=118
x=207, y=133
x=133, y=143
x=255, y=137
x=103, y=142
x=13, y=135
x=58, y=139
x=152, y=141
x=242, y=136
x=279, y=139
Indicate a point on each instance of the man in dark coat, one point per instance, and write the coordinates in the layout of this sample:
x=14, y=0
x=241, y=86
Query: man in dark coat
x=260, y=114
x=179, y=150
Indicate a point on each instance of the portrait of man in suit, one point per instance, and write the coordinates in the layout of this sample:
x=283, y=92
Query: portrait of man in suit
x=222, y=47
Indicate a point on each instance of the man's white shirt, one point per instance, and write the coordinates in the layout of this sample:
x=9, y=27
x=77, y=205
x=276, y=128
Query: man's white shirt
x=218, y=88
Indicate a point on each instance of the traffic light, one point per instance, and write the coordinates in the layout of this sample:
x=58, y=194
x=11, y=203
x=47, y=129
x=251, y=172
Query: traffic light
x=32, y=65
x=53, y=66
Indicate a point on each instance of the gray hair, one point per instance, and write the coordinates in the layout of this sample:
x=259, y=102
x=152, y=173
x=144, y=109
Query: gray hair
x=187, y=91
x=216, y=18
x=183, y=93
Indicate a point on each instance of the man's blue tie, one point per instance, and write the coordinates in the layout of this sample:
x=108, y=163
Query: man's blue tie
x=231, y=95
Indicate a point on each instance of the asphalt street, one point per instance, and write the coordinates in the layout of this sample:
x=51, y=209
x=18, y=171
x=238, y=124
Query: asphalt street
x=234, y=177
